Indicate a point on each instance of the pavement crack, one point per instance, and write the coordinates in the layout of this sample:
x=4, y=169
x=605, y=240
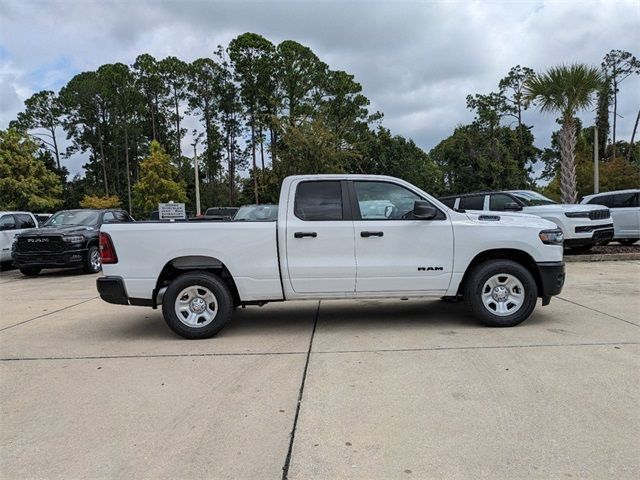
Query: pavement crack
x=46, y=314
x=159, y=355
x=287, y=461
x=598, y=311
x=473, y=347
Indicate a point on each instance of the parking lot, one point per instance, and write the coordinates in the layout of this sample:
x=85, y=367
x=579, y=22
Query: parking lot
x=388, y=389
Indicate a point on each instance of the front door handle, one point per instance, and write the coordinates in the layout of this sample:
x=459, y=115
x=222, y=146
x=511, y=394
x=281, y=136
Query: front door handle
x=305, y=234
x=371, y=234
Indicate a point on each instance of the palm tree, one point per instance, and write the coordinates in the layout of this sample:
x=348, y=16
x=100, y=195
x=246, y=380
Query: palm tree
x=566, y=89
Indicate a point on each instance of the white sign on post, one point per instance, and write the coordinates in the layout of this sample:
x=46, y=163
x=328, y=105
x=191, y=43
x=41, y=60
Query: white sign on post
x=171, y=211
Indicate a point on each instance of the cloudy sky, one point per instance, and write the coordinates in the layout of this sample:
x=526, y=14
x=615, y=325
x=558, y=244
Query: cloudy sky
x=417, y=60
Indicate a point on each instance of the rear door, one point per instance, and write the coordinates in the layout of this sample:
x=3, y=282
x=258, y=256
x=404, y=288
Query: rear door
x=8, y=227
x=320, y=240
x=625, y=212
x=394, y=251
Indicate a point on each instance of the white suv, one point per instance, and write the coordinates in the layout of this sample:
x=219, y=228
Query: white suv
x=12, y=223
x=583, y=226
x=625, y=212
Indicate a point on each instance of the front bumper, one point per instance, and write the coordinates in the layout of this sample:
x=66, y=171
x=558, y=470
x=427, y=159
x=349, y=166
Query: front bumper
x=112, y=290
x=598, y=236
x=552, y=277
x=72, y=258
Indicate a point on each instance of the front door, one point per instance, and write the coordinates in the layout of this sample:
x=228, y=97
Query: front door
x=319, y=236
x=394, y=251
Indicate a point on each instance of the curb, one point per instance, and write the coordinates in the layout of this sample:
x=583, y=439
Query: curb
x=602, y=257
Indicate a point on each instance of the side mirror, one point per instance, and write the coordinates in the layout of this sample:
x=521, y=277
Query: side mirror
x=424, y=211
x=512, y=207
x=8, y=226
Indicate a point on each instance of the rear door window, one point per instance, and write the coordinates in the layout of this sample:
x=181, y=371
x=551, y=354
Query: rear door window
x=122, y=217
x=498, y=201
x=24, y=221
x=318, y=201
x=623, y=200
x=7, y=220
x=474, y=202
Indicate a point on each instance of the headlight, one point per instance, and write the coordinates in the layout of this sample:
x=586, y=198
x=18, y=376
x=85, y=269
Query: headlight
x=552, y=237
x=577, y=214
x=74, y=239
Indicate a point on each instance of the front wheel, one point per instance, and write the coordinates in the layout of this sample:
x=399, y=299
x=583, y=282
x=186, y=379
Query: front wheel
x=30, y=271
x=93, y=262
x=197, y=305
x=627, y=241
x=501, y=293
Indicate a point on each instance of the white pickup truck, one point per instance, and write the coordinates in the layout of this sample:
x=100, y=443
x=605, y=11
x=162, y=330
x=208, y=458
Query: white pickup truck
x=336, y=236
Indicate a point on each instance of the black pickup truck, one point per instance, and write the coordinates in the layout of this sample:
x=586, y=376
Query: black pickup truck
x=69, y=239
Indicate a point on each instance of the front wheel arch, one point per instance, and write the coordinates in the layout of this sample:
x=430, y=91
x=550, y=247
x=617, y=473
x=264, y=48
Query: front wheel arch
x=518, y=256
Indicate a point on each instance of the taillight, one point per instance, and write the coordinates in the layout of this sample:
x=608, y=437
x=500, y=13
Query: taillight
x=107, y=252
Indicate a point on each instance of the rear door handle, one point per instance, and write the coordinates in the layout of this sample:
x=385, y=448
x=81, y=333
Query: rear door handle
x=371, y=234
x=305, y=234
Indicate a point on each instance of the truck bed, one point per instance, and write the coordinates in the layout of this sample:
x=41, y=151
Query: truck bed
x=247, y=249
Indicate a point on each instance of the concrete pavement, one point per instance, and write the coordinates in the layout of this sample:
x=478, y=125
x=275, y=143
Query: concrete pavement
x=389, y=389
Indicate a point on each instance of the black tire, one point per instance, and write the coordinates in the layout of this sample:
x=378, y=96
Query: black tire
x=481, y=274
x=580, y=249
x=627, y=241
x=90, y=266
x=222, y=296
x=6, y=266
x=30, y=271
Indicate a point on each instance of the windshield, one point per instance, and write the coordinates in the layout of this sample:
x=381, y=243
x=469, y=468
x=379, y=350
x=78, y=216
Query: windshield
x=257, y=213
x=531, y=199
x=73, y=217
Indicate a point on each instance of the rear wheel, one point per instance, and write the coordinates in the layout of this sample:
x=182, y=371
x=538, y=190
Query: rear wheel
x=501, y=293
x=93, y=262
x=30, y=271
x=627, y=241
x=197, y=305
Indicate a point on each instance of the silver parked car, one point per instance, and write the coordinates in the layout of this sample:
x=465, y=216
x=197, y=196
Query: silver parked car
x=625, y=212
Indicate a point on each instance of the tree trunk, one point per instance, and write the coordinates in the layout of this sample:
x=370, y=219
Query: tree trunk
x=104, y=162
x=55, y=146
x=178, y=149
x=253, y=157
x=272, y=142
x=209, y=150
x=633, y=136
x=567, y=140
x=126, y=156
x=153, y=119
x=261, y=148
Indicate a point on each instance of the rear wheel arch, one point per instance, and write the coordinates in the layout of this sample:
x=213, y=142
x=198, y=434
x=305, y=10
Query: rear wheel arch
x=195, y=263
x=519, y=256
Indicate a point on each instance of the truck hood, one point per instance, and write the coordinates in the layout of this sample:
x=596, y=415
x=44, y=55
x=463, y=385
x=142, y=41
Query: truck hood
x=64, y=230
x=511, y=219
x=564, y=207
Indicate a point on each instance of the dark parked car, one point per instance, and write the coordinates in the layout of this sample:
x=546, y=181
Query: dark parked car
x=220, y=212
x=68, y=239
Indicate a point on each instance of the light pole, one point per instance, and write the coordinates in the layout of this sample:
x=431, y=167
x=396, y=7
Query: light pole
x=195, y=164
